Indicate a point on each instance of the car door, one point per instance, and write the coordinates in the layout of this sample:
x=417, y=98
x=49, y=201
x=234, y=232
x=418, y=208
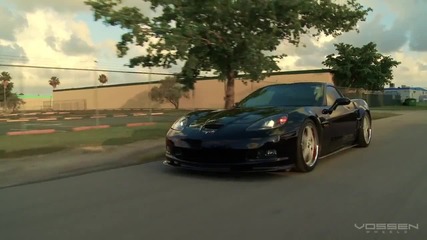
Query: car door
x=341, y=123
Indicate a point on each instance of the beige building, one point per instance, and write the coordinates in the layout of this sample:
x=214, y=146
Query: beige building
x=207, y=93
x=34, y=102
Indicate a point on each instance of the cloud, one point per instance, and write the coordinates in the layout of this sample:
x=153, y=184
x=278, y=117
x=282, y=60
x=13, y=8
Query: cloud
x=50, y=39
x=308, y=54
x=410, y=19
x=10, y=23
x=418, y=37
x=48, y=32
x=387, y=40
x=411, y=71
x=76, y=46
x=13, y=53
x=59, y=6
x=397, y=27
x=422, y=67
x=52, y=42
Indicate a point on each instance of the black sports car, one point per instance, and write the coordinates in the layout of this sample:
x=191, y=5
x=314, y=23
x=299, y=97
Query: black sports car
x=277, y=127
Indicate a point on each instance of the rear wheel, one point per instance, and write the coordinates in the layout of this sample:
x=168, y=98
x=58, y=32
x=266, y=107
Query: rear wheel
x=365, y=131
x=307, y=147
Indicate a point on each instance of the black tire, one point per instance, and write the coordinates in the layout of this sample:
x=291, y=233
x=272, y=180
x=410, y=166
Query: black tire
x=364, y=136
x=308, y=147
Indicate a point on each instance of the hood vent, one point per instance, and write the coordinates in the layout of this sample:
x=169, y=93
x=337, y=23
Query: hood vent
x=212, y=126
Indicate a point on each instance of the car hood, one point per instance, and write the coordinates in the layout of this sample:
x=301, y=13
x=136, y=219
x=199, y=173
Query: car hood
x=238, y=116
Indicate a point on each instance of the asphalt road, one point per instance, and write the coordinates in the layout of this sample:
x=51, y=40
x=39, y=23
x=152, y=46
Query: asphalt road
x=385, y=183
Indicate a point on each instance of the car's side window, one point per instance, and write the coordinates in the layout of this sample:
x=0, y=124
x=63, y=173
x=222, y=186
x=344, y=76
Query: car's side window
x=331, y=95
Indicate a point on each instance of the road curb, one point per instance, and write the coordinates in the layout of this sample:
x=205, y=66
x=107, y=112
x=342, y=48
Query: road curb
x=47, y=119
x=52, y=116
x=73, y=118
x=139, y=114
x=17, y=120
x=84, y=128
x=140, y=124
x=31, y=132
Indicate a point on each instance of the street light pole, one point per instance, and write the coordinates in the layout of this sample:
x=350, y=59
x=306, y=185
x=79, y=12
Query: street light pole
x=96, y=94
x=4, y=98
x=151, y=105
x=5, y=84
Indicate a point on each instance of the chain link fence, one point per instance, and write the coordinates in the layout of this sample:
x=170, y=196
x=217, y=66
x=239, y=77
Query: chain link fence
x=373, y=98
x=67, y=105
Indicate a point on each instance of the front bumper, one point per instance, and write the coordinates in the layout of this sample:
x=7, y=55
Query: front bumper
x=239, y=155
x=280, y=165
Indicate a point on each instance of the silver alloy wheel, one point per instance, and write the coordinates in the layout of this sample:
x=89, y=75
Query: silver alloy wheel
x=367, y=129
x=309, y=146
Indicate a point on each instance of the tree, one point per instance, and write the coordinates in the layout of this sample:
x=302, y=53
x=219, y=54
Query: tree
x=7, y=85
x=9, y=99
x=14, y=102
x=234, y=38
x=360, y=67
x=169, y=90
x=54, y=82
x=102, y=79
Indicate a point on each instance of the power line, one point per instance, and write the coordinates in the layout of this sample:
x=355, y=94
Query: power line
x=83, y=69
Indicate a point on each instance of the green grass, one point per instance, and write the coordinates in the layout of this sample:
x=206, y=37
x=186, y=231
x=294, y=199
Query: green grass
x=378, y=115
x=17, y=146
x=419, y=106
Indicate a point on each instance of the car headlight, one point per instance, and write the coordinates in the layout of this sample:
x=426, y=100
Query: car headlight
x=269, y=123
x=180, y=124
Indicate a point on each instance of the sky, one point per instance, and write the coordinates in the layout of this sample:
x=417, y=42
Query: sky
x=64, y=34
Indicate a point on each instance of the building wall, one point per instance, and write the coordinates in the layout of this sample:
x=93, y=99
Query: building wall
x=34, y=103
x=207, y=93
x=405, y=93
x=111, y=97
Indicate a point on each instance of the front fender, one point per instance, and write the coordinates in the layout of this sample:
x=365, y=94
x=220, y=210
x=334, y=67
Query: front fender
x=361, y=104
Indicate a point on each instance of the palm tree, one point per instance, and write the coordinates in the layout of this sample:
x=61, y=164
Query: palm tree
x=53, y=81
x=5, y=78
x=103, y=79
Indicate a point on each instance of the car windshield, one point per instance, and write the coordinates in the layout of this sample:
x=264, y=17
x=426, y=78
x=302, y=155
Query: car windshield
x=286, y=95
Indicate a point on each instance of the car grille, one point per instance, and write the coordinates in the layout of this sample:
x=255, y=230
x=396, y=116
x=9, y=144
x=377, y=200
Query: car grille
x=211, y=155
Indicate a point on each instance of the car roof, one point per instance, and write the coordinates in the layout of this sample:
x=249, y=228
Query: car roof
x=300, y=83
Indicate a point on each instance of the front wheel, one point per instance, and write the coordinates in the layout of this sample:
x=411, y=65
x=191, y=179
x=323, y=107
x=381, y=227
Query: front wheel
x=307, y=147
x=365, y=132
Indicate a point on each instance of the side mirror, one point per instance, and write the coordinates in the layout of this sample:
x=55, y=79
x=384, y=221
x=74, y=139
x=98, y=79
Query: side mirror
x=236, y=104
x=339, y=102
x=342, y=101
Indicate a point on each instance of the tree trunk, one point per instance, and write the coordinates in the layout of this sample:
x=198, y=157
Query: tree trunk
x=229, y=90
x=174, y=103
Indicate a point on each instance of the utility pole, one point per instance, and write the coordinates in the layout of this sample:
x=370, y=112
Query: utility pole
x=151, y=105
x=5, y=84
x=96, y=94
